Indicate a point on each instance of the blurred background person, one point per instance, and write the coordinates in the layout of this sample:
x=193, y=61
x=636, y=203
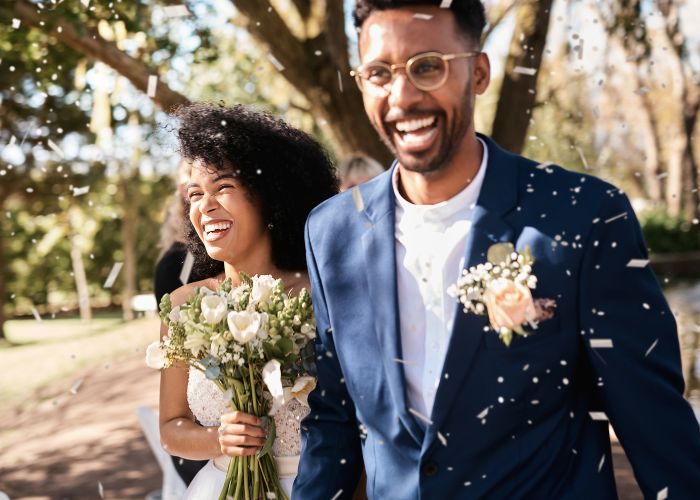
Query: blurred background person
x=356, y=170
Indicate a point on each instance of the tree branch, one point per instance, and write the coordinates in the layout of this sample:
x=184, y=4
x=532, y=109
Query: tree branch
x=96, y=47
x=497, y=20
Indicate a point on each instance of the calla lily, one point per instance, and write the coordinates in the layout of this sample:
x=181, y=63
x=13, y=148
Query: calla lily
x=272, y=377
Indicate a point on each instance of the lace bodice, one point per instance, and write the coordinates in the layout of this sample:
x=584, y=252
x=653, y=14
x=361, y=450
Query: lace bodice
x=207, y=404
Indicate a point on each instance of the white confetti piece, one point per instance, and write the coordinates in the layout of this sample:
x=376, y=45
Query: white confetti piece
x=601, y=343
x=615, y=217
x=522, y=70
x=424, y=17
x=638, y=263
x=76, y=385
x=598, y=415
x=442, y=438
x=357, y=197
x=152, y=84
x=16, y=23
x=79, y=191
x=55, y=148
x=446, y=4
x=483, y=413
x=583, y=158
x=337, y=495
x=100, y=488
x=420, y=416
x=340, y=82
x=404, y=362
x=275, y=62
x=186, y=269
x=651, y=347
x=662, y=494
x=176, y=11
x=600, y=464
x=36, y=314
x=113, y=275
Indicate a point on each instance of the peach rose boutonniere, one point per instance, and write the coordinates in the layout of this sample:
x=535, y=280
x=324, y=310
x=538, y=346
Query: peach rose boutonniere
x=501, y=288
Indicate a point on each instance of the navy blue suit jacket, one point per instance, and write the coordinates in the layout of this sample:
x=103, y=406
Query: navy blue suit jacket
x=540, y=441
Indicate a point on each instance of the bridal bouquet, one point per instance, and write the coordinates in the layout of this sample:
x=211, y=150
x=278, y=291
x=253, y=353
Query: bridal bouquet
x=246, y=339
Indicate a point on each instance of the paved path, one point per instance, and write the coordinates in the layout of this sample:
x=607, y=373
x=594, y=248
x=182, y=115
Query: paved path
x=64, y=447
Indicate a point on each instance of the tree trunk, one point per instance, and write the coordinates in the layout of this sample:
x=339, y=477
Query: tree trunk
x=81, y=283
x=690, y=165
x=654, y=164
x=519, y=90
x=129, y=201
x=3, y=269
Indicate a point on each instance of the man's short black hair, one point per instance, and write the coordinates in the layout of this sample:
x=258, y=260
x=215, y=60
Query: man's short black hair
x=284, y=169
x=469, y=14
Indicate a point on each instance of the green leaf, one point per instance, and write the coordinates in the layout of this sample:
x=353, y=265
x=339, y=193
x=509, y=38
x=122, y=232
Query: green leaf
x=286, y=345
x=268, y=424
x=499, y=253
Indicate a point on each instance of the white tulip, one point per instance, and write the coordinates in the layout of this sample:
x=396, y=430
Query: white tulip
x=213, y=309
x=244, y=325
x=155, y=356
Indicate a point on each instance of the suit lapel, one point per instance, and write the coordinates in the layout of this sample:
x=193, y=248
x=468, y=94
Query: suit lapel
x=498, y=196
x=380, y=265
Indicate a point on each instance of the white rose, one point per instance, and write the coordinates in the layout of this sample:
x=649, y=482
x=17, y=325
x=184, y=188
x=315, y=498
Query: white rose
x=155, y=356
x=175, y=315
x=213, y=309
x=244, y=325
x=262, y=288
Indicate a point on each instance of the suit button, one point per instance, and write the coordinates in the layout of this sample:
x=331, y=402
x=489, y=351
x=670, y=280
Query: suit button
x=429, y=469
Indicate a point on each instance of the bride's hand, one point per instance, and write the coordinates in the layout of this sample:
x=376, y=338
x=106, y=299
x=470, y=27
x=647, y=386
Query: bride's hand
x=240, y=434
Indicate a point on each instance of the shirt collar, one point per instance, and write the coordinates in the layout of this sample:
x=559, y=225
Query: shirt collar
x=442, y=212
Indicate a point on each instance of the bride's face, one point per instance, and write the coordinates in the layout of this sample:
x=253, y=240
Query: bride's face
x=227, y=221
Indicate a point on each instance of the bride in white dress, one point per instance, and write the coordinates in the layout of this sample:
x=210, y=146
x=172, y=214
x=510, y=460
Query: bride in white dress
x=252, y=184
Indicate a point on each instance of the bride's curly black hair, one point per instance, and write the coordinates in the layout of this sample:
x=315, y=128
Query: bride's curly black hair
x=283, y=168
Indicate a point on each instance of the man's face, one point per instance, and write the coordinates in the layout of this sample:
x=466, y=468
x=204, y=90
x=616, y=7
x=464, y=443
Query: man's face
x=424, y=129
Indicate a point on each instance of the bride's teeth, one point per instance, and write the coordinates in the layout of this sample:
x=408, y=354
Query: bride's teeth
x=218, y=226
x=411, y=125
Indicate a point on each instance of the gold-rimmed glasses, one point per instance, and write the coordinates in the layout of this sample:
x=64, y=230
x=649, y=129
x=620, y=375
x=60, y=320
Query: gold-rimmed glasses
x=427, y=71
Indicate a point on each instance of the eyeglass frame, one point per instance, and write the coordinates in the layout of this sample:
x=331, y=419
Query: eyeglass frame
x=446, y=58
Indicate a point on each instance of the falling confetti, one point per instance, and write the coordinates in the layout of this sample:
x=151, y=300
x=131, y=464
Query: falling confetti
x=615, y=217
x=186, y=268
x=419, y=415
x=36, y=314
x=337, y=495
x=113, y=275
x=651, y=347
x=152, y=84
x=79, y=191
x=424, y=17
x=522, y=70
x=100, y=488
x=602, y=461
x=76, y=385
x=86, y=3
x=340, y=82
x=55, y=148
x=278, y=65
x=598, y=415
x=357, y=197
x=601, y=343
x=483, y=413
x=583, y=158
x=446, y=4
x=442, y=438
x=176, y=11
x=638, y=263
x=16, y=23
x=662, y=494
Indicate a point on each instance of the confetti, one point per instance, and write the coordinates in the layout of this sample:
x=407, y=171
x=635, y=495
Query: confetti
x=152, y=84
x=602, y=461
x=278, y=65
x=176, y=11
x=113, y=275
x=483, y=413
x=186, y=269
x=424, y=17
x=79, y=191
x=583, y=158
x=357, y=197
x=598, y=415
x=337, y=495
x=442, y=438
x=340, y=82
x=403, y=361
x=419, y=415
x=638, y=263
x=601, y=343
x=615, y=217
x=446, y=4
x=651, y=347
x=662, y=494
x=55, y=148
x=16, y=23
x=100, y=488
x=522, y=70
x=36, y=314
x=76, y=385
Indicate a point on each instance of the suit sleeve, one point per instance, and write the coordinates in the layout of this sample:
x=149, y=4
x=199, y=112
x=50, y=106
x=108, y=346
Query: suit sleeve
x=331, y=459
x=640, y=375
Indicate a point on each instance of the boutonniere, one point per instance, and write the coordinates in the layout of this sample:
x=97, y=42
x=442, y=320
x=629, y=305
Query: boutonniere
x=501, y=288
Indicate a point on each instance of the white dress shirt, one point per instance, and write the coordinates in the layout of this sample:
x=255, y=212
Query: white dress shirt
x=430, y=246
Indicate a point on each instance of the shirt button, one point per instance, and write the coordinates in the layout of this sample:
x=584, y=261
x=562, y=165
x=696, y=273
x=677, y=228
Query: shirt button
x=429, y=469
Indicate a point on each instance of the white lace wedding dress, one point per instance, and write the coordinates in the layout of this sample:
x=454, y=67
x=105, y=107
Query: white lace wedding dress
x=207, y=404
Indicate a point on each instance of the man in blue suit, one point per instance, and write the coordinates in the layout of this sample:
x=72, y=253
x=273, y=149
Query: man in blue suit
x=428, y=395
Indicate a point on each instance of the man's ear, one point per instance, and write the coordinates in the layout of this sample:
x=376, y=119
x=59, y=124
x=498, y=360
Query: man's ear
x=481, y=73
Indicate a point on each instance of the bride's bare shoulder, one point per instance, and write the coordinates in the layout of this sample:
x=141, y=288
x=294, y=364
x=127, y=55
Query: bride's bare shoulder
x=180, y=295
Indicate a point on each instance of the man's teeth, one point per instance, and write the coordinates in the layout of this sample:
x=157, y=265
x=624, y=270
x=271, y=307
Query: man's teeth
x=411, y=125
x=218, y=226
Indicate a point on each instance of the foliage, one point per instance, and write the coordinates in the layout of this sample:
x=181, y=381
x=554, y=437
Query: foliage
x=665, y=233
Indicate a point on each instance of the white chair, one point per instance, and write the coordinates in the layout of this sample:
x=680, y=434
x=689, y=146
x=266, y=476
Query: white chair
x=173, y=486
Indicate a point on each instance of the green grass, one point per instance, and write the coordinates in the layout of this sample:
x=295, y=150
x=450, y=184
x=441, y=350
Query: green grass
x=40, y=356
